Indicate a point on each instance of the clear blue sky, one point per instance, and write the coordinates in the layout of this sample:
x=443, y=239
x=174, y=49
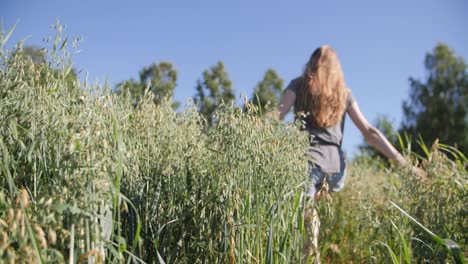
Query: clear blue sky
x=380, y=43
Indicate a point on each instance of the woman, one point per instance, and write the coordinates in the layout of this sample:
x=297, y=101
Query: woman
x=321, y=100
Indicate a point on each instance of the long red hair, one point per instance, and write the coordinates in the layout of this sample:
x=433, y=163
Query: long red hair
x=323, y=92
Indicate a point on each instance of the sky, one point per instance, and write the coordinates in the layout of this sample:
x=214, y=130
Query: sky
x=381, y=44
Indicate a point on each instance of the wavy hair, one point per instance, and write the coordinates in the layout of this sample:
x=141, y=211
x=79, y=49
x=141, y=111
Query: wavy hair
x=323, y=92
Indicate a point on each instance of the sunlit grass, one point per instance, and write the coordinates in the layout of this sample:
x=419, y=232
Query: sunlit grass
x=87, y=175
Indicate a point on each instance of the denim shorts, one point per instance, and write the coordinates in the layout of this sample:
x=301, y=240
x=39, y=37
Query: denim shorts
x=317, y=177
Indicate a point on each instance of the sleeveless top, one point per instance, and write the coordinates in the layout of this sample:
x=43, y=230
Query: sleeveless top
x=325, y=148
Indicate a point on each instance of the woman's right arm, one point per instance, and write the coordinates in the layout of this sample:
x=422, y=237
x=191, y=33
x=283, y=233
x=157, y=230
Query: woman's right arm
x=373, y=136
x=287, y=101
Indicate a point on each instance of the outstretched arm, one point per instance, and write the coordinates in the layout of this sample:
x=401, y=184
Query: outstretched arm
x=373, y=136
x=287, y=101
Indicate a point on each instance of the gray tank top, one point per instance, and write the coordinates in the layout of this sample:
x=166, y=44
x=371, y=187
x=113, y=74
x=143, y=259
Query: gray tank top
x=325, y=148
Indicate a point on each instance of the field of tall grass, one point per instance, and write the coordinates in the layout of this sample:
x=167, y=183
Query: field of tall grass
x=87, y=176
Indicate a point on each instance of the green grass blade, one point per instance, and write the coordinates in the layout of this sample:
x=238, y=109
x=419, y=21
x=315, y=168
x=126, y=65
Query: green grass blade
x=7, y=36
x=424, y=147
x=392, y=254
x=455, y=250
x=429, y=232
x=13, y=189
x=138, y=230
x=406, y=248
x=451, y=246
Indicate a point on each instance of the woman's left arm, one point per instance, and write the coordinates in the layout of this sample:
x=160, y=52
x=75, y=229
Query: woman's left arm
x=378, y=140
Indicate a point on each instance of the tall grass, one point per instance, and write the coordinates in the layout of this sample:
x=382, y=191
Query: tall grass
x=145, y=182
x=367, y=227
x=88, y=176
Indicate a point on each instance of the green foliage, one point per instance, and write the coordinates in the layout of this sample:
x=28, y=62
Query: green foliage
x=268, y=91
x=132, y=88
x=206, y=196
x=438, y=106
x=439, y=202
x=158, y=78
x=213, y=90
x=364, y=227
x=50, y=141
x=36, y=54
x=450, y=246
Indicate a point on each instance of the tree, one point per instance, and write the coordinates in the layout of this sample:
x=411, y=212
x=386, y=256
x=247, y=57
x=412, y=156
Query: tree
x=132, y=88
x=268, y=91
x=438, y=107
x=38, y=57
x=36, y=54
x=214, y=89
x=160, y=79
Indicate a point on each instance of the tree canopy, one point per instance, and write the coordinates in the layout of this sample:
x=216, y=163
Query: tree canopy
x=268, y=91
x=438, y=106
x=215, y=88
x=39, y=57
x=159, y=78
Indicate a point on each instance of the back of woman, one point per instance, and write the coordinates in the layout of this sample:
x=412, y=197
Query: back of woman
x=321, y=100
